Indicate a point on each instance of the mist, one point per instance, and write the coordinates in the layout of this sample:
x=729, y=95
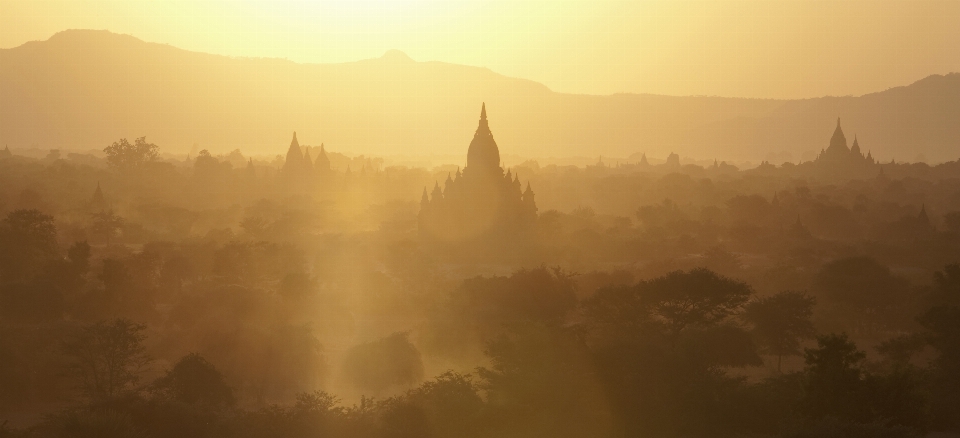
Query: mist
x=325, y=293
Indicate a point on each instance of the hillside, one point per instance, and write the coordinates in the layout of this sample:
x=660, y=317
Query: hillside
x=82, y=89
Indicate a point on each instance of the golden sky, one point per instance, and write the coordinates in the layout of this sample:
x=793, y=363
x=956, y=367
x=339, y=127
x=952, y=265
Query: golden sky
x=751, y=48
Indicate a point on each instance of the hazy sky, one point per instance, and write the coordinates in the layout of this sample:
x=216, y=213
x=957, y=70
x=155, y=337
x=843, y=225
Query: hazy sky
x=753, y=48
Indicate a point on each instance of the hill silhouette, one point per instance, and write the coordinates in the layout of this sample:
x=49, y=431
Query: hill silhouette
x=83, y=89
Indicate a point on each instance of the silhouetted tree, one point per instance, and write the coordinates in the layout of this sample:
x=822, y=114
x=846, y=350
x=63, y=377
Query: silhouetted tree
x=28, y=239
x=386, y=362
x=661, y=347
x=941, y=324
x=780, y=322
x=194, y=380
x=123, y=156
x=834, y=371
x=526, y=364
x=106, y=226
x=862, y=290
x=107, y=357
x=698, y=297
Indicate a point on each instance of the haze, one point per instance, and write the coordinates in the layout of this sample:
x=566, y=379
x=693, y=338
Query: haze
x=763, y=49
x=393, y=219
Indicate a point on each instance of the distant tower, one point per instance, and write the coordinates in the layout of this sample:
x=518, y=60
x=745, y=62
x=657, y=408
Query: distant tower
x=251, y=170
x=293, y=166
x=307, y=163
x=5, y=153
x=529, y=204
x=483, y=155
x=673, y=160
x=322, y=164
x=482, y=204
x=838, y=141
x=841, y=160
x=799, y=231
x=922, y=218
x=97, y=201
x=855, y=149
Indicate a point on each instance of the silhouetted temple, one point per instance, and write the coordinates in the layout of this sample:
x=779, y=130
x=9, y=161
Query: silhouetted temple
x=839, y=155
x=97, y=201
x=481, y=202
x=298, y=163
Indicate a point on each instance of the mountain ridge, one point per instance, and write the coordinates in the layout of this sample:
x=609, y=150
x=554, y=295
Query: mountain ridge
x=86, y=88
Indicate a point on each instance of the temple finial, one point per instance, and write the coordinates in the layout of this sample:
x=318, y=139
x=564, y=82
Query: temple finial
x=483, y=111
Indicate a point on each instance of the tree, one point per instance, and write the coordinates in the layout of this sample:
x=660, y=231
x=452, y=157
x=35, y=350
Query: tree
x=482, y=306
x=864, y=291
x=107, y=358
x=194, y=380
x=780, y=322
x=698, y=297
x=947, y=285
x=941, y=324
x=447, y=406
x=833, y=378
x=386, y=362
x=123, y=156
x=660, y=350
x=28, y=239
x=541, y=383
x=106, y=226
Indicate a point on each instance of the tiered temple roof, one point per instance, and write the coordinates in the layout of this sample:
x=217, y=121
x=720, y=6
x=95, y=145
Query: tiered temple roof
x=479, y=202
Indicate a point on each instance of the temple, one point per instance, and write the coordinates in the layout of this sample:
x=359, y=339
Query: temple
x=481, y=202
x=839, y=155
x=299, y=166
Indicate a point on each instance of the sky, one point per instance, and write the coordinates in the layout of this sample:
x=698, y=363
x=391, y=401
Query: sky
x=750, y=48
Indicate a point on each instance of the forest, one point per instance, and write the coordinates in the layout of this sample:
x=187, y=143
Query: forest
x=144, y=294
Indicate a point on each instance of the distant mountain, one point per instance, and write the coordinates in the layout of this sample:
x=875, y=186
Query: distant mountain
x=83, y=89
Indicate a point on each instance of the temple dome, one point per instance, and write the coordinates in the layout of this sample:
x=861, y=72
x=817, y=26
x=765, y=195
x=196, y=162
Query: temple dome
x=483, y=153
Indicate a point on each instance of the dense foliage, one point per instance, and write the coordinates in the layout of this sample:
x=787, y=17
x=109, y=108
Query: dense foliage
x=215, y=298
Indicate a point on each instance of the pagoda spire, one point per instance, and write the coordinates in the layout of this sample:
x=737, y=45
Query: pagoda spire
x=483, y=127
x=838, y=141
x=483, y=155
x=294, y=161
x=97, y=201
x=437, y=194
x=307, y=162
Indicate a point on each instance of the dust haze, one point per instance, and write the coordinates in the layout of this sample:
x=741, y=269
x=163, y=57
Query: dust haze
x=201, y=246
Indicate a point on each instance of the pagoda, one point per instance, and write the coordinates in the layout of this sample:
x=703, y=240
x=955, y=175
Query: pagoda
x=479, y=202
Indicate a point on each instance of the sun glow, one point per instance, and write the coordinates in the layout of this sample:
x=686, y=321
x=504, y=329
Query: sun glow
x=785, y=49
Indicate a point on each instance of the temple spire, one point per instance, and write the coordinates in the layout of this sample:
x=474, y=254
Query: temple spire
x=294, y=162
x=483, y=128
x=838, y=143
x=483, y=154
